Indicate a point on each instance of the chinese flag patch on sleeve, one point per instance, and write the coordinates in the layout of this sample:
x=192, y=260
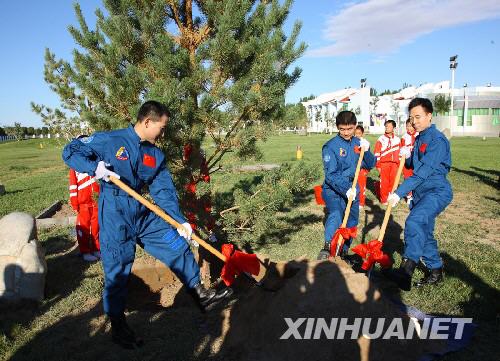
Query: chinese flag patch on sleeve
x=423, y=147
x=149, y=161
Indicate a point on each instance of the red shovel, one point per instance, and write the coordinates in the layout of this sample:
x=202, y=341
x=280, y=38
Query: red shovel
x=236, y=262
x=372, y=251
x=344, y=233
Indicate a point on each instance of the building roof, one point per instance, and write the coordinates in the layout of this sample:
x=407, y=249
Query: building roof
x=341, y=95
x=477, y=102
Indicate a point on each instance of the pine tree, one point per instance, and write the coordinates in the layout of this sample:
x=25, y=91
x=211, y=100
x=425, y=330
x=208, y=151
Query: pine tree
x=222, y=68
x=16, y=131
x=442, y=104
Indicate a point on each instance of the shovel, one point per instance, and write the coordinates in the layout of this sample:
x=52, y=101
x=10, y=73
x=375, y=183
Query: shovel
x=372, y=251
x=235, y=262
x=343, y=233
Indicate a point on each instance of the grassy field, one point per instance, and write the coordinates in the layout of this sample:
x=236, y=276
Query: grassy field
x=467, y=233
x=33, y=174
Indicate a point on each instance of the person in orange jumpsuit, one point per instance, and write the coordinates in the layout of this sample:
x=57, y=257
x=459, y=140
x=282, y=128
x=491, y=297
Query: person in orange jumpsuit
x=387, y=153
x=82, y=188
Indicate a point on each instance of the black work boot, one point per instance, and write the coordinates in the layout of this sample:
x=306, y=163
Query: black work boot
x=324, y=253
x=402, y=276
x=431, y=277
x=122, y=334
x=208, y=298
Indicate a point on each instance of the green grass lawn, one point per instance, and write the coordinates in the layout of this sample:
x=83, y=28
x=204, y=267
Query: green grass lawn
x=467, y=233
x=33, y=177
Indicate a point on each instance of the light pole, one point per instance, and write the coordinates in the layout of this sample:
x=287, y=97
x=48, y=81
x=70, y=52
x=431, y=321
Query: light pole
x=453, y=66
x=466, y=108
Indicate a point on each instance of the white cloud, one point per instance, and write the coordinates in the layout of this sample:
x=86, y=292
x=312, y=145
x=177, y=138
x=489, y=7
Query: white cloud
x=382, y=26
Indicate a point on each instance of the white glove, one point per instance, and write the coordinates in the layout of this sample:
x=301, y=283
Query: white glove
x=351, y=193
x=393, y=199
x=101, y=172
x=405, y=152
x=186, y=231
x=363, y=143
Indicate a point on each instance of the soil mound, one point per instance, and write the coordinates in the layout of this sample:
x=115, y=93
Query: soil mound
x=330, y=290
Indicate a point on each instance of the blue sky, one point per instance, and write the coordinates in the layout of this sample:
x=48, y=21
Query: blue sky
x=390, y=42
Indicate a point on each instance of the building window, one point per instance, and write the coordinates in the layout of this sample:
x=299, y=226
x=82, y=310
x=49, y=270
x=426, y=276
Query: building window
x=460, y=114
x=476, y=111
x=495, y=115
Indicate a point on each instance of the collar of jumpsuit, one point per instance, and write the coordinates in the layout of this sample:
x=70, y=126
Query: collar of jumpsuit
x=134, y=134
x=432, y=126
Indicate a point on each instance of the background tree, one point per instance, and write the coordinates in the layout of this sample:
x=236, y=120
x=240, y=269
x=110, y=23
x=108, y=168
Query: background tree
x=389, y=92
x=395, y=110
x=294, y=116
x=330, y=121
x=222, y=67
x=16, y=131
x=2, y=132
x=373, y=105
x=442, y=104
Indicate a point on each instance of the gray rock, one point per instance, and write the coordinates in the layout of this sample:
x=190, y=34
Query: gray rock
x=22, y=262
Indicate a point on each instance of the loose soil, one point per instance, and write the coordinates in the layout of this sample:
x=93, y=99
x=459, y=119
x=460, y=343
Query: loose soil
x=249, y=326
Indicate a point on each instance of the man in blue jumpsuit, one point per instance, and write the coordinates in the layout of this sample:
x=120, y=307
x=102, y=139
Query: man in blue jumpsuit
x=340, y=157
x=130, y=154
x=431, y=162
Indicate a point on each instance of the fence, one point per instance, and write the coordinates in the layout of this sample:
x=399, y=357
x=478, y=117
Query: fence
x=4, y=138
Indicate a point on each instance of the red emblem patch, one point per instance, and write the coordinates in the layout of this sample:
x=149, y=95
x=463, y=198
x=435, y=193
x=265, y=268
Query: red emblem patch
x=149, y=161
x=422, y=147
x=357, y=150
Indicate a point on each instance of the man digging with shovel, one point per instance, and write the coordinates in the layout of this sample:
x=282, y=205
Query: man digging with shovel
x=124, y=222
x=340, y=157
x=431, y=190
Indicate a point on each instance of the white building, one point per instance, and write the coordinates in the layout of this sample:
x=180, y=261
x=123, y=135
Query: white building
x=479, y=106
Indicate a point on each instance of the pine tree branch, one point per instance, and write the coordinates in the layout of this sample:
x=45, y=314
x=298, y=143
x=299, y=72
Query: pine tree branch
x=222, y=149
x=175, y=12
x=188, y=10
x=221, y=213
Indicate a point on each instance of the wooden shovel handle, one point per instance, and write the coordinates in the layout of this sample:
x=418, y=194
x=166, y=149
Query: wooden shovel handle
x=160, y=213
x=389, y=207
x=350, y=200
x=354, y=182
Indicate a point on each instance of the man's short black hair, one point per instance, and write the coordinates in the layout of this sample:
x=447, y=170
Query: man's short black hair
x=360, y=127
x=153, y=109
x=346, y=117
x=390, y=121
x=423, y=102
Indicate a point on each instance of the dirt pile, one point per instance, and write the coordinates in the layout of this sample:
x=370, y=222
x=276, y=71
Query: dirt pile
x=250, y=326
x=253, y=325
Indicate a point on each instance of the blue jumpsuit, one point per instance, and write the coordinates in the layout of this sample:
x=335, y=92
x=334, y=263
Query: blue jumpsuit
x=431, y=162
x=123, y=221
x=339, y=164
